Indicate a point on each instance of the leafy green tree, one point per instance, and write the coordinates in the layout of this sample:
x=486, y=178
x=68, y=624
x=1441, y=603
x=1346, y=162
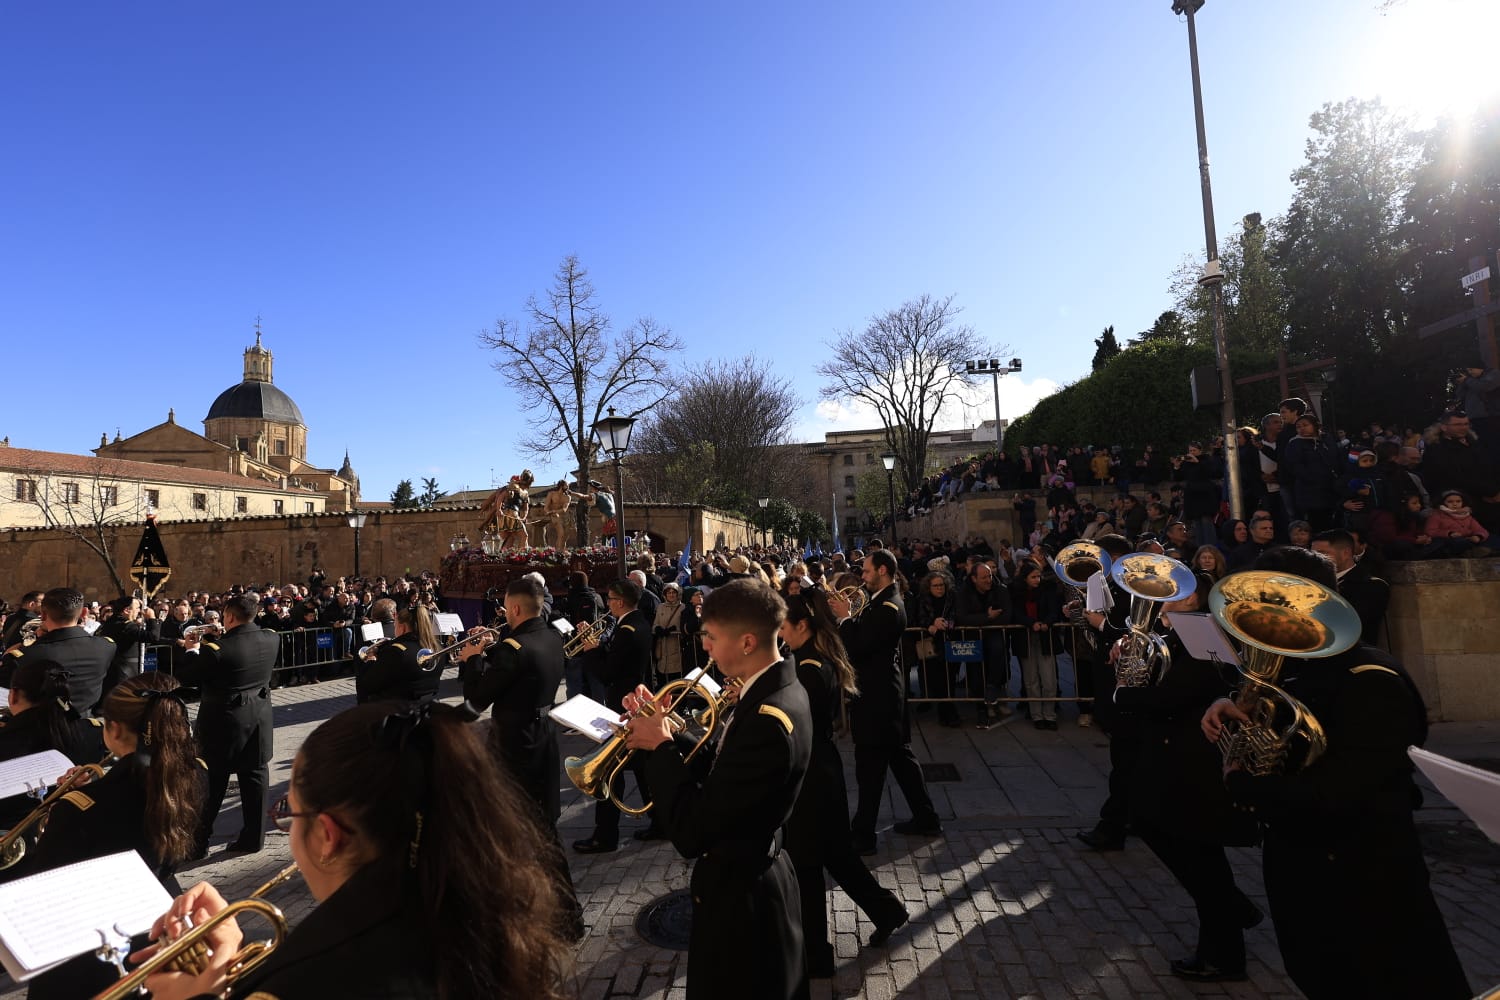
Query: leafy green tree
x=404, y=497
x=872, y=493
x=1168, y=326
x=811, y=527
x=1105, y=347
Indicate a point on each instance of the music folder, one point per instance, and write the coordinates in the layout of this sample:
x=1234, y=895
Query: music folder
x=1475, y=791
x=586, y=717
x=371, y=631
x=20, y=775
x=53, y=916
x=448, y=624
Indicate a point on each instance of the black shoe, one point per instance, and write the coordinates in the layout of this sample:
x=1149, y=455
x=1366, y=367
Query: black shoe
x=1050, y=725
x=1039, y=723
x=919, y=828
x=884, y=928
x=200, y=851
x=594, y=846
x=243, y=847
x=652, y=832
x=864, y=847
x=1101, y=841
x=1200, y=971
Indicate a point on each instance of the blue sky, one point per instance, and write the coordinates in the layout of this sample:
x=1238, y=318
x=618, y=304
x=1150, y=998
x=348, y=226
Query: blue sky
x=379, y=181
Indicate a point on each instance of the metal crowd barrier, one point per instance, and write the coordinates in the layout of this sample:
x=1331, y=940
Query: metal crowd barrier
x=968, y=660
x=300, y=650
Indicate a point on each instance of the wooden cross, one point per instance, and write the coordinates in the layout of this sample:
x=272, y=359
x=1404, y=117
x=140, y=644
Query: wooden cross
x=1483, y=313
x=1284, y=372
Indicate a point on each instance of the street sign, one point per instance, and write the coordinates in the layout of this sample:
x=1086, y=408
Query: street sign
x=1474, y=278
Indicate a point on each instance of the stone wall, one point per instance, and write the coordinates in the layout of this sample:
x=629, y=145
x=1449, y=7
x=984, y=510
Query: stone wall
x=1442, y=624
x=213, y=554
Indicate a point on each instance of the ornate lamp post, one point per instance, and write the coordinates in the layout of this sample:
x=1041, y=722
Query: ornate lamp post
x=764, y=503
x=356, y=520
x=613, y=433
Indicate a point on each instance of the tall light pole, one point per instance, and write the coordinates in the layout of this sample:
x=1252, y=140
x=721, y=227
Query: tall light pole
x=355, y=520
x=1213, y=273
x=764, y=503
x=992, y=365
x=889, y=461
x=613, y=433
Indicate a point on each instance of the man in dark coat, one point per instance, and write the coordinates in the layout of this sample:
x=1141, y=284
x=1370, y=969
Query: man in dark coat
x=1358, y=582
x=519, y=677
x=983, y=603
x=234, y=725
x=130, y=627
x=620, y=666
x=878, y=720
x=745, y=894
x=61, y=640
x=28, y=610
x=1345, y=877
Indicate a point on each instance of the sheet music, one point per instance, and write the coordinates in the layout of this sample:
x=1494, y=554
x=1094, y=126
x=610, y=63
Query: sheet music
x=1202, y=637
x=586, y=716
x=448, y=624
x=705, y=680
x=370, y=631
x=1472, y=789
x=57, y=915
x=35, y=769
x=563, y=626
x=1097, y=598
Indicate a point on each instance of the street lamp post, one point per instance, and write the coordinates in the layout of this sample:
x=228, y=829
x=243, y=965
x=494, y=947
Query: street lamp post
x=356, y=520
x=613, y=433
x=889, y=461
x=992, y=365
x=764, y=503
x=1213, y=273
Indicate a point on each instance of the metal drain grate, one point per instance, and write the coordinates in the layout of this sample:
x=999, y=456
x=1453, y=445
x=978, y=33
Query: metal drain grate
x=940, y=772
x=667, y=921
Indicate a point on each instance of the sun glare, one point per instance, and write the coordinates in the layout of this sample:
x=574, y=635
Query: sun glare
x=1429, y=57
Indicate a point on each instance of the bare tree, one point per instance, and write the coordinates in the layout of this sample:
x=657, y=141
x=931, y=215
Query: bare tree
x=567, y=368
x=906, y=364
x=91, y=507
x=720, y=438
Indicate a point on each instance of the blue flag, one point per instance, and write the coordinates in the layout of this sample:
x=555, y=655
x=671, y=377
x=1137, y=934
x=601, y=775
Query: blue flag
x=682, y=564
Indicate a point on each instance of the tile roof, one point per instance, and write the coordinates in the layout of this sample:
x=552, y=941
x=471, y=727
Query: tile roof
x=25, y=459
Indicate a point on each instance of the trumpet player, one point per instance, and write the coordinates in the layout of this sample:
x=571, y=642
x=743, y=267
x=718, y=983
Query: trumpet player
x=85, y=658
x=132, y=625
x=1344, y=872
x=397, y=674
x=747, y=927
x=423, y=862
x=519, y=675
x=28, y=609
x=621, y=666
x=148, y=802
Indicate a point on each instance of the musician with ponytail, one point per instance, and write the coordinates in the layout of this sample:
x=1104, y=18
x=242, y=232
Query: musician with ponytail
x=396, y=675
x=149, y=802
x=424, y=859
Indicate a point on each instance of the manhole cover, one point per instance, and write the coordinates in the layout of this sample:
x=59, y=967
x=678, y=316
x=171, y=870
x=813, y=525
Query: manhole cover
x=667, y=922
x=940, y=772
x=1484, y=763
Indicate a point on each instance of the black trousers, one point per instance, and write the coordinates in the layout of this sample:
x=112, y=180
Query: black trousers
x=254, y=778
x=1203, y=871
x=606, y=815
x=849, y=871
x=1124, y=751
x=871, y=762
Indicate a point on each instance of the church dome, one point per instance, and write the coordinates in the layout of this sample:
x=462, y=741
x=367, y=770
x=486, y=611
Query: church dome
x=257, y=400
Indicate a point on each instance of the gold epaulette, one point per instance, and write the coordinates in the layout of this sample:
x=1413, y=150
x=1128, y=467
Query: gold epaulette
x=80, y=799
x=202, y=763
x=779, y=716
x=628, y=628
x=890, y=604
x=398, y=647
x=810, y=662
x=107, y=639
x=16, y=653
x=1374, y=666
x=211, y=645
x=96, y=721
x=513, y=643
x=262, y=995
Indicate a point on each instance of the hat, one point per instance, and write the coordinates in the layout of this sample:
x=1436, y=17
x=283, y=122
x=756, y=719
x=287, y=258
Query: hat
x=939, y=563
x=1451, y=493
x=1364, y=453
x=671, y=586
x=739, y=564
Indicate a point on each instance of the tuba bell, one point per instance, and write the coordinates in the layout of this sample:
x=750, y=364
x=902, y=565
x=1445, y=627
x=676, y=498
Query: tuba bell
x=1275, y=615
x=1151, y=581
x=1074, y=565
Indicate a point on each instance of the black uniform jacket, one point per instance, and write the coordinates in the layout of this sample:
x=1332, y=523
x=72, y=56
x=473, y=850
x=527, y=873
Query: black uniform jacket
x=745, y=899
x=1370, y=595
x=361, y=943
x=127, y=637
x=235, y=677
x=821, y=815
x=1179, y=776
x=27, y=733
x=874, y=643
x=85, y=657
x=519, y=677
x=13, y=623
x=1362, y=787
x=396, y=675
x=626, y=661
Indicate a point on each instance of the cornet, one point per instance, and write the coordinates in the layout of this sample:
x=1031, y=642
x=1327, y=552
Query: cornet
x=429, y=656
x=855, y=597
x=196, y=633
x=600, y=629
x=29, y=629
x=13, y=844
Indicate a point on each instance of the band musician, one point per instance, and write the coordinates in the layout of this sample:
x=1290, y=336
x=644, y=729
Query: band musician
x=746, y=939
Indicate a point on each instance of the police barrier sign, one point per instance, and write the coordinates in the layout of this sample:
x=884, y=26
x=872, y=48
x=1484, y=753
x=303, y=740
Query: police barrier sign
x=963, y=651
x=325, y=640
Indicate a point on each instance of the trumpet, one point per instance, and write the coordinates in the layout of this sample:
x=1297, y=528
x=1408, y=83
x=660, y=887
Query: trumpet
x=13, y=844
x=195, y=633
x=367, y=652
x=189, y=950
x=426, y=656
x=192, y=960
x=595, y=774
x=600, y=629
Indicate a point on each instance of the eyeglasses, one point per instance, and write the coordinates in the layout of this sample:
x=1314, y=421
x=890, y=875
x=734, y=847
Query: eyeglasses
x=281, y=814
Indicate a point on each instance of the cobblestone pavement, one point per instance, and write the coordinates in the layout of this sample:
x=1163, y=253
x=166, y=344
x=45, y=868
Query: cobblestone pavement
x=1005, y=904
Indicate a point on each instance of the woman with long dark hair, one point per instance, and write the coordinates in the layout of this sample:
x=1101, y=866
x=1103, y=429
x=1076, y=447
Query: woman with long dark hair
x=817, y=835
x=396, y=675
x=42, y=719
x=425, y=863
x=148, y=802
